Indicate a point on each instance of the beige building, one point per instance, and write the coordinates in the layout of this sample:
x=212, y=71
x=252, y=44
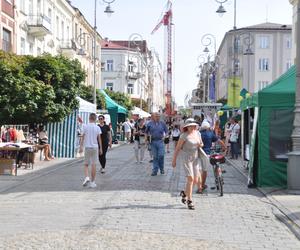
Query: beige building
x=272, y=47
x=294, y=3
x=56, y=27
x=129, y=67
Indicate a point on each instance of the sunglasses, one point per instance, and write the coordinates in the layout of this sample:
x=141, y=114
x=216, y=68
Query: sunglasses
x=101, y=118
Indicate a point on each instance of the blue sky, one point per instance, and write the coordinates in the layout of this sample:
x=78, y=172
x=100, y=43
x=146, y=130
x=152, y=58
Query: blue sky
x=192, y=19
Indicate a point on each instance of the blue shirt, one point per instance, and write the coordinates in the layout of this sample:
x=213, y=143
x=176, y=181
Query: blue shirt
x=208, y=137
x=156, y=130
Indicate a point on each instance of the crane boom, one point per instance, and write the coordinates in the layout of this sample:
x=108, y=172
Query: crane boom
x=167, y=22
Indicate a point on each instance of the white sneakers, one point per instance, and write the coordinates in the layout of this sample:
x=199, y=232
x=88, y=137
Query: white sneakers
x=93, y=184
x=102, y=170
x=89, y=183
x=86, y=181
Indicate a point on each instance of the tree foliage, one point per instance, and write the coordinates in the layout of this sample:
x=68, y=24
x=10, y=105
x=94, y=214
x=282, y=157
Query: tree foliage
x=87, y=93
x=120, y=98
x=137, y=103
x=38, y=89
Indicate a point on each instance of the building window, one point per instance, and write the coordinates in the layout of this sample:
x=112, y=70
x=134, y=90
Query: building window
x=263, y=64
x=38, y=7
x=110, y=65
x=102, y=66
x=50, y=14
x=30, y=7
x=288, y=64
x=22, y=51
x=289, y=43
x=130, y=66
x=62, y=30
x=110, y=86
x=31, y=48
x=6, y=40
x=262, y=84
x=130, y=88
x=22, y=6
x=264, y=42
x=57, y=27
x=76, y=31
x=39, y=51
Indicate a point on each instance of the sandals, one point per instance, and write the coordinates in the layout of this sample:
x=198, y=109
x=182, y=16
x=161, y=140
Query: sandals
x=183, y=197
x=199, y=191
x=190, y=205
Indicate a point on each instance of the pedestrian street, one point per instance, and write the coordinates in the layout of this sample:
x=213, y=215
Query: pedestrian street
x=130, y=209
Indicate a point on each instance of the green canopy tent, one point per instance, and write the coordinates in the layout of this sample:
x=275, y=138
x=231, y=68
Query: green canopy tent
x=275, y=105
x=117, y=112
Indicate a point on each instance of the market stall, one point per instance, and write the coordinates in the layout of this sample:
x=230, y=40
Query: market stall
x=271, y=141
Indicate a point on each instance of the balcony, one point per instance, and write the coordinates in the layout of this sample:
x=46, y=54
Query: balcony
x=238, y=50
x=68, y=48
x=39, y=25
x=133, y=75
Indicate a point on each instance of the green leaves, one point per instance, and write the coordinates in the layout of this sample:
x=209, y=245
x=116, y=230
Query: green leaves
x=38, y=89
x=120, y=98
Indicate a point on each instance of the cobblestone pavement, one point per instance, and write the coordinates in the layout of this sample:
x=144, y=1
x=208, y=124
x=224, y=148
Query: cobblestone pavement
x=129, y=209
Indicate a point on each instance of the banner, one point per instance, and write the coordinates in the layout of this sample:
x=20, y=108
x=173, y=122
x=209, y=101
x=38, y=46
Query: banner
x=212, y=88
x=234, y=89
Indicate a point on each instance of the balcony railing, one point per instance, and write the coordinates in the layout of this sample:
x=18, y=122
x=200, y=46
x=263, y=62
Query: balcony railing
x=39, y=25
x=68, y=44
x=133, y=75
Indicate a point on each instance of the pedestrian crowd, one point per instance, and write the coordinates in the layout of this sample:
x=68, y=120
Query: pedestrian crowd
x=194, y=140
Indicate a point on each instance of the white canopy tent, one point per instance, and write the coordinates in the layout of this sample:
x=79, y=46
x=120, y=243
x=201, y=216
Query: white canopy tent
x=85, y=106
x=140, y=112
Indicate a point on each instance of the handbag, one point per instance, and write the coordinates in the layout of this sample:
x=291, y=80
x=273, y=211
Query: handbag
x=204, y=159
x=142, y=139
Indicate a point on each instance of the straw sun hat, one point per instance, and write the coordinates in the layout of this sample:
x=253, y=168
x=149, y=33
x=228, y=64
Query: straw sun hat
x=190, y=122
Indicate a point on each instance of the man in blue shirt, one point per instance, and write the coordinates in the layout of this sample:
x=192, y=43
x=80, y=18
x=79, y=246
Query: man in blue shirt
x=157, y=129
x=208, y=137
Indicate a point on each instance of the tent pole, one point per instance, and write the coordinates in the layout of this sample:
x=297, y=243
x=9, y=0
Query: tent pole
x=293, y=169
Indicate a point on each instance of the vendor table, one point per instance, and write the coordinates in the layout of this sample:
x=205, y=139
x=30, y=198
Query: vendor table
x=11, y=150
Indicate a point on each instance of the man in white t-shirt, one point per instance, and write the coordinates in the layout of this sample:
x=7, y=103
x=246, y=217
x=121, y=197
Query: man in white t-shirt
x=91, y=140
x=234, y=137
x=127, y=130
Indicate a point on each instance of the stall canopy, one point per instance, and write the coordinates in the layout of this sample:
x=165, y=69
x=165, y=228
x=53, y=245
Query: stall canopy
x=140, y=112
x=275, y=124
x=63, y=135
x=117, y=112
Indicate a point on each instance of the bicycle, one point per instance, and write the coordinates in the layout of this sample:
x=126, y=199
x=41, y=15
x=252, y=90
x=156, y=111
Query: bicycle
x=216, y=160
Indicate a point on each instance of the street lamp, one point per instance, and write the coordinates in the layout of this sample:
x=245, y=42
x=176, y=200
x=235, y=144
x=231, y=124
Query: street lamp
x=293, y=170
x=109, y=11
x=209, y=40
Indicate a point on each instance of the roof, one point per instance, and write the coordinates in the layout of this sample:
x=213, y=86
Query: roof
x=105, y=44
x=133, y=44
x=269, y=26
x=258, y=27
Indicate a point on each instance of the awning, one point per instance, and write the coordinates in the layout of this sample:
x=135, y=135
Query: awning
x=110, y=103
x=140, y=112
x=85, y=106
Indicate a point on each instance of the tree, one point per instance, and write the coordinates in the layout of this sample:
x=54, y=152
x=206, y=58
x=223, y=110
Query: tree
x=38, y=89
x=120, y=98
x=137, y=103
x=87, y=93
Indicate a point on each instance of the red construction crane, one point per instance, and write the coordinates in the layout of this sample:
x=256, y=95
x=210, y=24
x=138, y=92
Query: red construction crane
x=167, y=22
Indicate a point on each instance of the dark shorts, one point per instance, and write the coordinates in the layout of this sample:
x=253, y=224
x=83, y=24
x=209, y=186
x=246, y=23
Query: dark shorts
x=166, y=140
x=175, y=138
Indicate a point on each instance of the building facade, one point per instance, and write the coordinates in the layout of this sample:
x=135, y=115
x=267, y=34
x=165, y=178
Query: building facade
x=294, y=3
x=56, y=27
x=271, y=45
x=7, y=26
x=129, y=67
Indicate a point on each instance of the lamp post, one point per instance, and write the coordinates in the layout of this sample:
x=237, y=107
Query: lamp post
x=293, y=170
x=108, y=11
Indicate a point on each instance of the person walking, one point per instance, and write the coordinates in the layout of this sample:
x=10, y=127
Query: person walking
x=127, y=130
x=91, y=140
x=175, y=134
x=139, y=140
x=106, y=138
x=208, y=138
x=156, y=129
x=234, y=137
x=189, y=144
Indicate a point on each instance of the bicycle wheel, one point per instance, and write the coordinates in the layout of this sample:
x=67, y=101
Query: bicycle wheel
x=220, y=185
